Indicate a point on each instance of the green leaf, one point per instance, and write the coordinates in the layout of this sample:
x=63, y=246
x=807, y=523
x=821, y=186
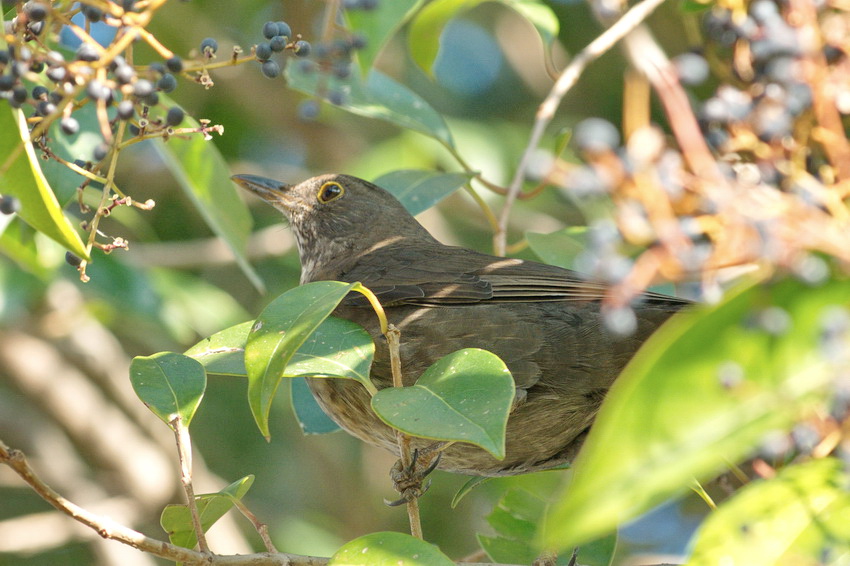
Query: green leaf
x=704, y=391
x=176, y=519
x=21, y=176
x=378, y=97
x=169, y=384
x=337, y=348
x=420, y=190
x=78, y=146
x=558, y=248
x=427, y=26
x=802, y=516
x=465, y=396
x=204, y=176
x=389, y=549
x=278, y=333
x=18, y=242
x=223, y=353
x=311, y=418
x=378, y=26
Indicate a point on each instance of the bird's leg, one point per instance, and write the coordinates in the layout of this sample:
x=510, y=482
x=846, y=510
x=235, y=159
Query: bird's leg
x=410, y=481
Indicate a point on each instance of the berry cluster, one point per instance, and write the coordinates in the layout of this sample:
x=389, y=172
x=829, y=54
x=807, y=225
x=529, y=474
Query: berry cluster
x=763, y=159
x=278, y=35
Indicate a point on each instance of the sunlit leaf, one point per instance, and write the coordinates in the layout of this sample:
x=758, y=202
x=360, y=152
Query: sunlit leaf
x=704, y=391
x=169, y=384
x=465, y=396
x=389, y=549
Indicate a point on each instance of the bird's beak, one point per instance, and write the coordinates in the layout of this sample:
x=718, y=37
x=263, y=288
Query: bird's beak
x=269, y=190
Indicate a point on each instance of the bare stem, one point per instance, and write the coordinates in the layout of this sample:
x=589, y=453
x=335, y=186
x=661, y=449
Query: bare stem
x=184, y=453
x=565, y=82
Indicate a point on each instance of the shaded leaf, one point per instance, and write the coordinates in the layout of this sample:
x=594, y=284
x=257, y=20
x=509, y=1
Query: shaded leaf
x=311, y=418
x=704, y=391
x=380, y=97
x=21, y=176
x=420, y=190
x=558, y=248
x=378, y=26
x=465, y=396
x=176, y=519
x=18, y=242
x=278, y=333
x=204, y=176
x=169, y=384
x=802, y=516
x=427, y=26
x=389, y=549
x=223, y=353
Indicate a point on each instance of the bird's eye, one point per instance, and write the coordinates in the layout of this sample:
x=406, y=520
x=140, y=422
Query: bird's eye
x=330, y=191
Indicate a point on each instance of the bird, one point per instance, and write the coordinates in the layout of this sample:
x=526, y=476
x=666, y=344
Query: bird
x=545, y=322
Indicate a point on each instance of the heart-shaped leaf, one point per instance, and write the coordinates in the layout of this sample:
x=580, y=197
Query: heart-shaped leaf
x=169, y=384
x=278, y=333
x=465, y=396
x=176, y=520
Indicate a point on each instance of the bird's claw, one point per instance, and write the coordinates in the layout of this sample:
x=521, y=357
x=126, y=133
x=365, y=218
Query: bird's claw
x=410, y=482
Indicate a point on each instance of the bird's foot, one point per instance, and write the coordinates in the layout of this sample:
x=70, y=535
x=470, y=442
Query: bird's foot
x=412, y=481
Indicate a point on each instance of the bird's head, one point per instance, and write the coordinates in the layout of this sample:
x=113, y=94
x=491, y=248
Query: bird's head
x=334, y=217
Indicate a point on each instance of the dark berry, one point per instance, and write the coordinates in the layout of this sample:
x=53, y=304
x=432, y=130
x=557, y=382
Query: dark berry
x=87, y=52
x=39, y=91
x=358, y=41
x=9, y=204
x=126, y=109
x=4, y=57
x=45, y=107
x=302, y=48
x=175, y=64
x=7, y=82
x=142, y=88
x=92, y=13
x=175, y=116
x=19, y=94
x=336, y=97
x=342, y=70
x=269, y=30
x=134, y=130
x=209, y=46
x=98, y=91
x=55, y=97
x=100, y=151
x=596, y=135
x=35, y=11
x=271, y=69
x=37, y=67
x=692, y=69
x=308, y=110
x=833, y=53
x=278, y=43
x=56, y=74
x=166, y=83
x=73, y=260
x=151, y=100
x=263, y=52
x=69, y=126
x=284, y=29
x=124, y=74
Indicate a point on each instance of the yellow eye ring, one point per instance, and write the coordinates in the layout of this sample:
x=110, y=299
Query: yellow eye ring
x=330, y=191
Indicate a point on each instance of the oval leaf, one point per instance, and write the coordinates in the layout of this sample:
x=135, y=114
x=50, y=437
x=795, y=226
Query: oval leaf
x=223, y=353
x=801, y=516
x=466, y=397
x=21, y=176
x=378, y=26
x=176, y=519
x=389, y=549
x=704, y=391
x=278, y=333
x=203, y=174
x=559, y=248
x=420, y=190
x=169, y=384
x=310, y=416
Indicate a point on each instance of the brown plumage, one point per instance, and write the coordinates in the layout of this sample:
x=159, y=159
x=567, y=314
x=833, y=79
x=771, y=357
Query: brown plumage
x=543, y=321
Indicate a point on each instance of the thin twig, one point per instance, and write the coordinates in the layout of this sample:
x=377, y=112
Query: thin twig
x=261, y=528
x=393, y=338
x=184, y=453
x=565, y=82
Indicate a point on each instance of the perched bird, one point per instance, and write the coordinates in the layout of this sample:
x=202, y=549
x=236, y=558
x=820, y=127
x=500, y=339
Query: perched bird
x=543, y=321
